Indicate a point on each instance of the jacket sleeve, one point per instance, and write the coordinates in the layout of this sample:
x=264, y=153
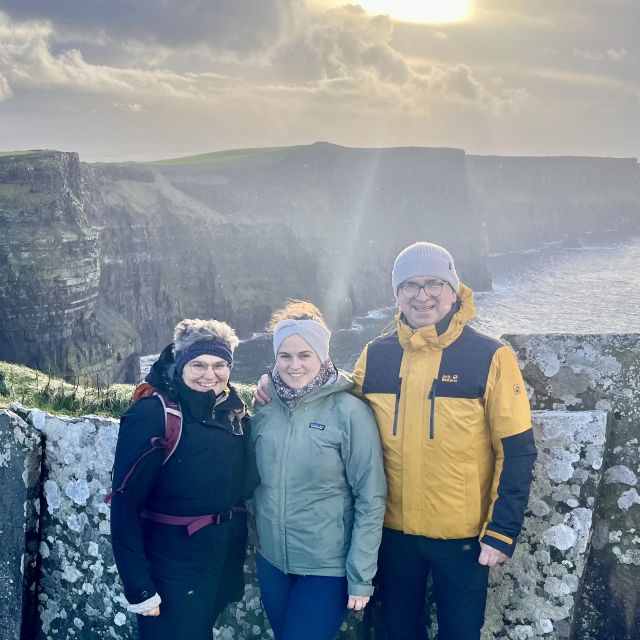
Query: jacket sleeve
x=252, y=477
x=358, y=373
x=362, y=455
x=142, y=421
x=508, y=417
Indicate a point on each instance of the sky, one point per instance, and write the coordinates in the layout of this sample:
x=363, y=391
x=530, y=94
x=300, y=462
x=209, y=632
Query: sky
x=149, y=79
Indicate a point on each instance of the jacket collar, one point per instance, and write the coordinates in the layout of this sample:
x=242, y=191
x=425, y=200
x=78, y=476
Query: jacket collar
x=427, y=337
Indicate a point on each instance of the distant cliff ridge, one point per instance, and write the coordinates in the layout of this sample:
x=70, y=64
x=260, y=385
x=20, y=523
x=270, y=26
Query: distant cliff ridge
x=98, y=262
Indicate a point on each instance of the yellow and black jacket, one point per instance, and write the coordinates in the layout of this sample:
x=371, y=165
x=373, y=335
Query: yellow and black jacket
x=455, y=426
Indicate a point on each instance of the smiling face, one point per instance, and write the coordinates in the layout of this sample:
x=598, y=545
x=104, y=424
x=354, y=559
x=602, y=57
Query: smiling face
x=425, y=309
x=298, y=364
x=214, y=378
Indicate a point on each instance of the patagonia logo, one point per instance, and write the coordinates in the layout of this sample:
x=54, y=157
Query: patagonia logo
x=316, y=425
x=516, y=389
x=447, y=378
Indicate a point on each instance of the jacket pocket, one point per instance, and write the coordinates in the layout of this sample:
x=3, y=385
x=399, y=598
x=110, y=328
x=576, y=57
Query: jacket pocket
x=432, y=412
x=396, y=409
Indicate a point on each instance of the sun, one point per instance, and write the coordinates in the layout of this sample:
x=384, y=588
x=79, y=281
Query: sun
x=420, y=10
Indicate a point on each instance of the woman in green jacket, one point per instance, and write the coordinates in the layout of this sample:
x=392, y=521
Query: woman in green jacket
x=321, y=499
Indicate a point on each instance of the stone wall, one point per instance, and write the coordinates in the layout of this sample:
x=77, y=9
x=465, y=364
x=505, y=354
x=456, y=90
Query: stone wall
x=586, y=372
x=574, y=574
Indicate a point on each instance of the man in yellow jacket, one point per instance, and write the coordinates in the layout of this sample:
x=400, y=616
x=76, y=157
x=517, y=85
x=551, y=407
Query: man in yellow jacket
x=455, y=425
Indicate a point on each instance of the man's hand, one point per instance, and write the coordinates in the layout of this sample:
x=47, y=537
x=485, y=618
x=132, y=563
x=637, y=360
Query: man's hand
x=357, y=603
x=261, y=394
x=151, y=612
x=490, y=556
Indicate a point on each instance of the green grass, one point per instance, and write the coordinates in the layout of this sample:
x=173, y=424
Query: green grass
x=37, y=390
x=25, y=152
x=219, y=156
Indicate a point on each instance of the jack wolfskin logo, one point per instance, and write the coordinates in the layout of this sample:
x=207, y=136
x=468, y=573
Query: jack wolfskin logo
x=316, y=425
x=447, y=378
x=517, y=389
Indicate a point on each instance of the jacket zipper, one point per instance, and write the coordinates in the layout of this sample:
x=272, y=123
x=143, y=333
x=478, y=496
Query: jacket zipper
x=432, y=398
x=397, y=408
x=283, y=483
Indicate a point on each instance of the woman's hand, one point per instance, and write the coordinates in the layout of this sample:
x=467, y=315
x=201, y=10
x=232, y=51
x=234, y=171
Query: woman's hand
x=151, y=612
x=357, y=603
x=261, y=394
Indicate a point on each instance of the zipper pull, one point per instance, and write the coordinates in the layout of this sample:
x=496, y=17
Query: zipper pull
x=433, y=388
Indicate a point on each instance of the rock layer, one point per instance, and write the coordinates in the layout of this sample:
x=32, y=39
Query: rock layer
x=50, y=315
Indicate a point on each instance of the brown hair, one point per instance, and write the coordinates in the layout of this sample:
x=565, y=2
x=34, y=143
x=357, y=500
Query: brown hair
x=296, y=310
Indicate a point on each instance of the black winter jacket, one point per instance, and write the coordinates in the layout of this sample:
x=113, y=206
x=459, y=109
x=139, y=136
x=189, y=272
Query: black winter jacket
x=207, y=474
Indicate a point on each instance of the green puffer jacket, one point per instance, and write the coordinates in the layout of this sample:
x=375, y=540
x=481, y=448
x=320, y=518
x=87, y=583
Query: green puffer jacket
x=321, y=499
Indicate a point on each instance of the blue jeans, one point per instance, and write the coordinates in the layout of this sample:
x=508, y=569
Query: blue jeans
x=459, y=586
x=309, y=607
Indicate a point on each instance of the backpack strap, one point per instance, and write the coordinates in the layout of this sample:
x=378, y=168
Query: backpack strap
x=172, y=425
x=192, y=523
x=170, y=441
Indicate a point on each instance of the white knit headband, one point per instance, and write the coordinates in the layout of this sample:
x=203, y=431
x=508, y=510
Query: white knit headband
x=309, y=330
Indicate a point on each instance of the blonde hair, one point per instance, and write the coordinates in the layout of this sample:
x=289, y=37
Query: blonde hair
x=296, y=310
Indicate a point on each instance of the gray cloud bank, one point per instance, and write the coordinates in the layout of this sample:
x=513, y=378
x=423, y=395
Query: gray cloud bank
x=154, y=79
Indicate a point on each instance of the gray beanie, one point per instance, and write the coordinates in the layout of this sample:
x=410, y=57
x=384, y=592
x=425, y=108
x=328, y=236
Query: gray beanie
x=313, y=332
x=424, y=259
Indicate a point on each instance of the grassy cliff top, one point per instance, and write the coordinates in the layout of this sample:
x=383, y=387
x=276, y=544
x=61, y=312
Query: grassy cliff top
x=219, y=156
x=38, y=390
x=26, y=152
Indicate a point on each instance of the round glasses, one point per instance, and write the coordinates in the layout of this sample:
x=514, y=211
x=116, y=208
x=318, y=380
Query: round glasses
x=199, y=368
x=432, y=288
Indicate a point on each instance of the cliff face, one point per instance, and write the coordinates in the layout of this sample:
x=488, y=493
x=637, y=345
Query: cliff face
x=50, y=273
x=236, y=238
x=526, y=202
x=98, y=262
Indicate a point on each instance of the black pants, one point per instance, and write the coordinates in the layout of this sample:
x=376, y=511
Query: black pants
x=459, y=586
x=189, y=609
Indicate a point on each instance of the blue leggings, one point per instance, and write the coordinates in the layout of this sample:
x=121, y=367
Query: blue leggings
x=309, y=607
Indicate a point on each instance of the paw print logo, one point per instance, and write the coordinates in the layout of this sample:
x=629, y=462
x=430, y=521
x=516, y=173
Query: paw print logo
x=516, y=389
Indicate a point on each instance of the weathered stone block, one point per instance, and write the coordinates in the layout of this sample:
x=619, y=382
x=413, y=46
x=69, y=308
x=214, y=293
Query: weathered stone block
x=20, y=458
x=79, y=594
x=585, y=372
x=535, y=594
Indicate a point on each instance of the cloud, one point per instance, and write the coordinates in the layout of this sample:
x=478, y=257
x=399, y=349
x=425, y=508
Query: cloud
x=134, y=108
x=235, y=25
x=597, y=56
x=216, y=73
x=340, y=57
x=340, y=43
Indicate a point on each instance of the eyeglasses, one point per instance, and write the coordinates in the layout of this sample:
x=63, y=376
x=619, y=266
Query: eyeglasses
x=432, y=288
x=199, y=368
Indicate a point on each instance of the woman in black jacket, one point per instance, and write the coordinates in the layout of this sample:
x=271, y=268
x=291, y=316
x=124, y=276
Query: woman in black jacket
x=178, y=527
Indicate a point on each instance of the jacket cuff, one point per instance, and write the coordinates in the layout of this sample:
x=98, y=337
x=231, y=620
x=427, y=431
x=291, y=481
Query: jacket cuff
x=360, y=589
x=499, y=541
x=146, y=605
